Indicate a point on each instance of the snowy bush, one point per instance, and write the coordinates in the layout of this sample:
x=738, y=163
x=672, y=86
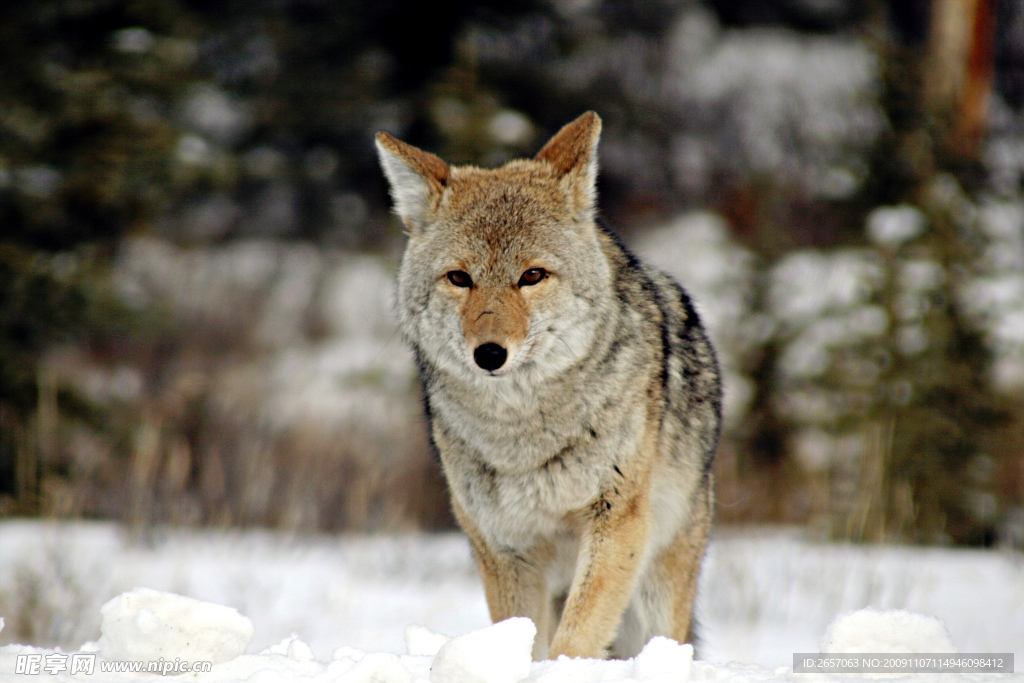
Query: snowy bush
x=802, y=107
x=274, y=391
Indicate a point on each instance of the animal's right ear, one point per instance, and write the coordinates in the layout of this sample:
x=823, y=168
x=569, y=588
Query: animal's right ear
x=417, y=179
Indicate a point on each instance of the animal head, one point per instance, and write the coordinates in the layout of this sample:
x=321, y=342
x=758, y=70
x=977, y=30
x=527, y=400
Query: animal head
x=503, y=267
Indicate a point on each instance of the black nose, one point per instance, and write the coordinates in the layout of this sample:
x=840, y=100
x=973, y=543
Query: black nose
x=490, y=356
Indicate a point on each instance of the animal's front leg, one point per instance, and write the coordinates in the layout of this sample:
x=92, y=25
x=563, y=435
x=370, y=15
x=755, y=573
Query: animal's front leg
x=611, y=548
x=514, y=582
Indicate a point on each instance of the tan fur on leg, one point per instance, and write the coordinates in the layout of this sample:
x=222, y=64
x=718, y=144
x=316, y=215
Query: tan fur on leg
x=610, y=552
x=680, y=565
x=514, y=584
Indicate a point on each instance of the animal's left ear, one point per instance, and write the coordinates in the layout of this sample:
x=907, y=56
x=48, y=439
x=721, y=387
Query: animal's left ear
x=573, y=153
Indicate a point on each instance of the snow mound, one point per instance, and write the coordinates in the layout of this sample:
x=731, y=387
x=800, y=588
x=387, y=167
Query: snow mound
x=496, y=654
x=889, y=631
x=664, y=660
x=145, y=624
x=375, y=667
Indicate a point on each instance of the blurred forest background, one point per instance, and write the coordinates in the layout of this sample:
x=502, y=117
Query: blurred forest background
x=196, y=254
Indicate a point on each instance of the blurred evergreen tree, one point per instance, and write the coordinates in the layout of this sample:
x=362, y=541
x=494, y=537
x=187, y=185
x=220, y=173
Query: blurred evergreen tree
x=83, y=158
x=935, y=433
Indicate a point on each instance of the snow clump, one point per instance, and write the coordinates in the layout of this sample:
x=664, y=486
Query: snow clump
x=145, y=624
x=885, y=631
x=496, y=654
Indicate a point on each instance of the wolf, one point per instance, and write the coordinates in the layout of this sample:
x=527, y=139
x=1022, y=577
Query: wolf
x=572, y=394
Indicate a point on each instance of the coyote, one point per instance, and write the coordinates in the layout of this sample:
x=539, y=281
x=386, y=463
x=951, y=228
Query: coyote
x=573, y=395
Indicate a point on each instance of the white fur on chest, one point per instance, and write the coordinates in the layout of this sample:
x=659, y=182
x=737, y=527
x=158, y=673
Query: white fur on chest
x=538, y=478
x=525, y=507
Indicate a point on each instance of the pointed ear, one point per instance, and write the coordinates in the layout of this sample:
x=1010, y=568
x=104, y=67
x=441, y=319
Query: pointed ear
x=573, y=153
x=417, y=179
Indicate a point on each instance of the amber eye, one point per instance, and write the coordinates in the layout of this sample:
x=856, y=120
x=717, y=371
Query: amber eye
x=460, y=278
x=532, y=277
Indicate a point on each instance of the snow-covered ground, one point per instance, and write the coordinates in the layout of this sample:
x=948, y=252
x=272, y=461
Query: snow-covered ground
x=372, y=608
